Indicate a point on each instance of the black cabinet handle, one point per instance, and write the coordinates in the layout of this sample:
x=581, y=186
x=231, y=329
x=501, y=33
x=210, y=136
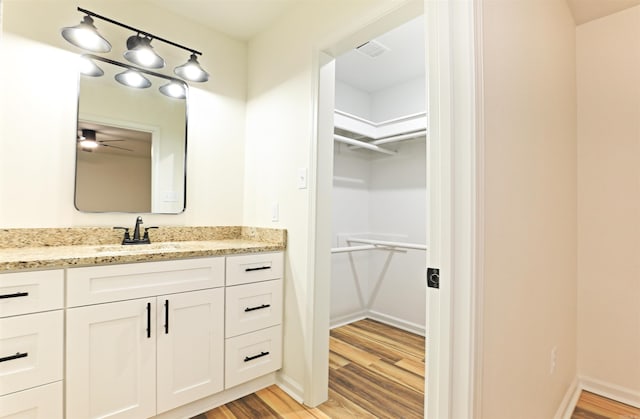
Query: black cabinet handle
x=260, y=268
x=166, y=317
x=14, y=295
x=257, y=307
x=148, y=320
x=251, y=358
x=16, y=356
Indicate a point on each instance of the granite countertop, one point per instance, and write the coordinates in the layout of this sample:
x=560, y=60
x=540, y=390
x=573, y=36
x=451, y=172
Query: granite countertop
x=60, y=248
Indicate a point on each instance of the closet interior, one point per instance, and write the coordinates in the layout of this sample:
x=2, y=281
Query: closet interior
x=379, y=182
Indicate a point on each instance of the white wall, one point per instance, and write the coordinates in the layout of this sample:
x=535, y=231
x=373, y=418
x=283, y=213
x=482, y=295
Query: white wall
x=529, y=248
x=38, y=122
x=353, y=100
x=279, y=140
x=388, y=204
x=350, y=215
x=608, y=63
x=399, y=100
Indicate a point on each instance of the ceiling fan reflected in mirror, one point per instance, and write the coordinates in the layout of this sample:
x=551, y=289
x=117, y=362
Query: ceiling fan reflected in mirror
x=88, y=141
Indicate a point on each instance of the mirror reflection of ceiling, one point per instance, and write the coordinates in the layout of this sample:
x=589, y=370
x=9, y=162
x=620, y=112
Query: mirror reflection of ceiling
x=118, y=141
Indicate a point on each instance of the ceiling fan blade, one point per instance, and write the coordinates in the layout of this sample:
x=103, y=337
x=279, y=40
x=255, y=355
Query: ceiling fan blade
x=115, y=146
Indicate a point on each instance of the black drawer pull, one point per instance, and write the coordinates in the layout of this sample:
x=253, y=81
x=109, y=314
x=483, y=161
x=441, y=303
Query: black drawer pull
x=17, y=294
x=148, y=320
x=16, y=356
x=251, y=358
x=257, y=307
x=166, y=317
x=260, y=268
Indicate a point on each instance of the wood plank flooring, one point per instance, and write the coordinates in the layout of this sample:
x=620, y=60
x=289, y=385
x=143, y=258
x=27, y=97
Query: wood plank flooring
x=375, y=371
x=592, y=406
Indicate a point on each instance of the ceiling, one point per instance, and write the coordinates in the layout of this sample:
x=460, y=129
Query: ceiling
x=243, y=19
x=404, y=60
x=240, y=19
x=587, y=10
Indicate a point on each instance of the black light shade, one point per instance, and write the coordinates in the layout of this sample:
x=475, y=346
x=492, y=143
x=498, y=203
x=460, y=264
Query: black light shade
x=133, y=78
x=174, y=89
x=141, y=52
x=89, y=68
x=191, y=70
x=86, y=36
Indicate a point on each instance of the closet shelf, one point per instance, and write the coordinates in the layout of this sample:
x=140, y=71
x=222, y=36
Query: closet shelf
x=378, y=130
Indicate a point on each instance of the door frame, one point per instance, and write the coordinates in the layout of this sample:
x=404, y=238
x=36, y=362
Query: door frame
x=454, y=141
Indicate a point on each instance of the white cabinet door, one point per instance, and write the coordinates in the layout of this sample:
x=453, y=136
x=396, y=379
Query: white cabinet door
x=190, y=347
x=111, y=360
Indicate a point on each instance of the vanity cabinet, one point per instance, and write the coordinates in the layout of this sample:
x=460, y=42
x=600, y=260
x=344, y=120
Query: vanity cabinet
x=141, y=357
x=253, y=345
x=31, y=348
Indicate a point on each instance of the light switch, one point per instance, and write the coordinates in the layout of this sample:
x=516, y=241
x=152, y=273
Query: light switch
x=302, y=178
x=275, y=212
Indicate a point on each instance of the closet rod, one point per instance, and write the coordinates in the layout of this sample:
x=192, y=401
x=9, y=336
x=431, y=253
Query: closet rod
x=351, y=141
x=352, y=248
x=400, y=245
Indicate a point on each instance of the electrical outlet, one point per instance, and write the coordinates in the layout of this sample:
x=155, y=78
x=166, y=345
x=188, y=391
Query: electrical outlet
x=553, y=360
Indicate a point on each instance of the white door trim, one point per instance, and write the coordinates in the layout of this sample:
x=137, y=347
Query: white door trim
x=452, y=357
x=453, y=182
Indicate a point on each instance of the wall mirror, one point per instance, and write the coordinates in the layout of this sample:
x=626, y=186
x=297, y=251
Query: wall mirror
x=131, y=141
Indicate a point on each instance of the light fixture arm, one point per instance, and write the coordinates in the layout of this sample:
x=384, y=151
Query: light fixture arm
x=150, y=35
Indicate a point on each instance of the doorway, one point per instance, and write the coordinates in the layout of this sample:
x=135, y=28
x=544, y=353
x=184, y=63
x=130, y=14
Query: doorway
x=453, y=169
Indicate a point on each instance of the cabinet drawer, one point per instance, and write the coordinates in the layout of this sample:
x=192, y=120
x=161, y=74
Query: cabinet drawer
x=30, y=350
x=44, y=402
x=244, y=269
x=253, y=306
x=31, y=292
x=252, y=355
x=101, y=284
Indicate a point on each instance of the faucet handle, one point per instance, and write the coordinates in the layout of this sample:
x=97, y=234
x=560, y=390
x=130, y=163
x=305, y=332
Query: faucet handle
x=146, y=232
x=126, y=233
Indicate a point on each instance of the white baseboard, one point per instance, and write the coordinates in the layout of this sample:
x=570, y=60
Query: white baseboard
x=290, y=386
x=611, y=391
x=381, y=317
x=568, y=404
x=348, y=318
x=396, y=322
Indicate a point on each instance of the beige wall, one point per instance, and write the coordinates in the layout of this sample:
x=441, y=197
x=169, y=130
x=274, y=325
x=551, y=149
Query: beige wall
x=608, y=60
x=113, y=181
x=529, y=207
x=38, y=84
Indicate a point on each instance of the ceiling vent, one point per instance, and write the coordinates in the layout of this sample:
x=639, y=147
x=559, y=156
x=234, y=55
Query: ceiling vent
x=372, y=49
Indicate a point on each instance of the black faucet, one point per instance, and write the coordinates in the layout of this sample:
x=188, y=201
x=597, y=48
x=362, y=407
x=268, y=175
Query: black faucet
x=136, y=234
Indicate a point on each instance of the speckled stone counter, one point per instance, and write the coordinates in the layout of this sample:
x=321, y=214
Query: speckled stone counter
x=50, y=248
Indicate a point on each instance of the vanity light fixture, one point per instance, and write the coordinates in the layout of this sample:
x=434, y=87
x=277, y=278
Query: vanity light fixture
x=139, y=50
x=89, y=68
x=133, y=78
x=191, y=70
x=86, y=36
x=173, y=89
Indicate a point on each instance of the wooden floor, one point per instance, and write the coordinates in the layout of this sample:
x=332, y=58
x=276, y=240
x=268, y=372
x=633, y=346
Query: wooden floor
x=375, y=371
x=592, y=406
